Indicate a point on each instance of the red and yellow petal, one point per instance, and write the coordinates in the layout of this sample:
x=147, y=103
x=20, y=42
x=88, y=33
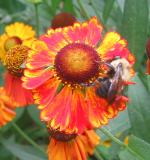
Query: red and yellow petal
x=35, y=78
x=54, y=39
x=88, y=32
x=7, y=107
x=45, y=93
x=114, y=45
x=100, y=111
x=75, y=149
x=12, y=85
x=65, y=111
x=97, y=109
x=39, y=56
x=108, y=43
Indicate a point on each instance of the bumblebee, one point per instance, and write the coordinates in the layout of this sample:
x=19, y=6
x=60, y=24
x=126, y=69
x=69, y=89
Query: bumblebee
x=109, y=87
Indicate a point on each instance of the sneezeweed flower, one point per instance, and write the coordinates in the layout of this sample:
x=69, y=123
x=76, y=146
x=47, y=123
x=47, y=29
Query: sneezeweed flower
x=68, y=147
x=63, y=67
x=7, y=108
x=14, y=46
x=63, y=19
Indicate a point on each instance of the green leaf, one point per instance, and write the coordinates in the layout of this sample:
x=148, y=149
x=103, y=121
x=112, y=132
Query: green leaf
x=10, y=7
x=140, y=148
x=102, y=151
x=134, y=27
x=23, y=152
x=4, y=154
x=139, y=109
x=107, y=9
x=117, y=125
x=54, y=6
x=68, y=6
x=35, y=115
x=148, y=82
x=126, y=155
x=19, y=113
x=121, y=4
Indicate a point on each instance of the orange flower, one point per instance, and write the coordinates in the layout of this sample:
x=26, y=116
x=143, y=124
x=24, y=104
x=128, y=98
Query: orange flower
x=7, y=108
x=63, y=67
x=14, y=47
x=77, y=148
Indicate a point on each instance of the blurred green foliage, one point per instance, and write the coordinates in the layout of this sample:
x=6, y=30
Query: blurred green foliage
x=129, y=17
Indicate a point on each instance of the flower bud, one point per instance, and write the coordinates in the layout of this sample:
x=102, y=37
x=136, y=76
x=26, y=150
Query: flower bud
x=62, y=20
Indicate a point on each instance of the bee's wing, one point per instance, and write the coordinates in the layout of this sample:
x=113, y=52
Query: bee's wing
x=116, y=84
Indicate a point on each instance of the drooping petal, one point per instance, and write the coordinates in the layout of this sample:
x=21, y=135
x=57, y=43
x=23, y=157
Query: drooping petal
x=45, y=93
x=14, y=89
x=65, y=111
x=88, y=32
x=97, y=109
x=7, y=108
x=75, y=149
x=101, y=110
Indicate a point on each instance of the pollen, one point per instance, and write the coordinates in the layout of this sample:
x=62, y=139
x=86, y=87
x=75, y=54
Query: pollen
x=15, y=57
x=77, y=63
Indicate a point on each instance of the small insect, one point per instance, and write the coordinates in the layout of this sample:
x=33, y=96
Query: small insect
x=109, y=87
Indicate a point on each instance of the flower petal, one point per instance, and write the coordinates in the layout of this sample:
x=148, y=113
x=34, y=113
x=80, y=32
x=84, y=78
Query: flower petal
x=100, y=110
x=20, y=30
x=65, y=111
x=45, y=93
x=76, y=149
x=35, y=78
x=114, y=45
x=14, y=84
x=7, y=108
x=39, y=57
x=3, y=38
x=88, y=32
x=54, y=39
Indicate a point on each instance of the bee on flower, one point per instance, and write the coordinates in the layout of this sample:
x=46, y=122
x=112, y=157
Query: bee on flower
x=62, y=68
x=15, y=44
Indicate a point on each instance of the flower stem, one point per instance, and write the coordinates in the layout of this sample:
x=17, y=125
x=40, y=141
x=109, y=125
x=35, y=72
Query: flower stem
x=116, y=140
x=83, y=12
x=28, y=139
x=97, y=155
x=112, y=137
x=37, y=19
